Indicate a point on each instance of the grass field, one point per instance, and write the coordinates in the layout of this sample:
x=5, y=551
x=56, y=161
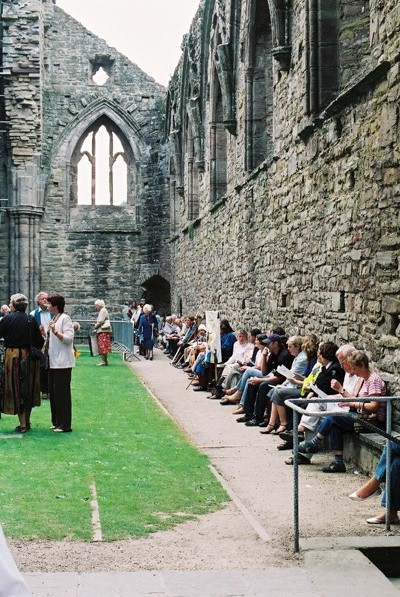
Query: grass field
x=147, y=475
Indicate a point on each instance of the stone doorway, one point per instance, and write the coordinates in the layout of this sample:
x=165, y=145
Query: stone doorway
x=157, y=292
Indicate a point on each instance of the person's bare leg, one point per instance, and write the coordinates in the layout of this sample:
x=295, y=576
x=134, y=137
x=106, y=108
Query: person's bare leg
x=368, y=488
x=274, y=415
x=235, y=397
x=230, y=392
x=282, y=415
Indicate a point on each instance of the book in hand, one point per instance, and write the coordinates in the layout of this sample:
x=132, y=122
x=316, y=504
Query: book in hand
x=327, y=406
x=284, y=371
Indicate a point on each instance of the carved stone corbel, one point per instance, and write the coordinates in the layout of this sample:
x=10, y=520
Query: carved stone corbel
x=280, y=17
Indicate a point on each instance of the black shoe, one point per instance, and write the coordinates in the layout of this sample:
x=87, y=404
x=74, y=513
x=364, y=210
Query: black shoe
x=301, y=460
x=265, y=423
x=199, y=389
x=243, y=419
x=253, y=422
x=288, y=436
x=335, y=467
x=285, y=446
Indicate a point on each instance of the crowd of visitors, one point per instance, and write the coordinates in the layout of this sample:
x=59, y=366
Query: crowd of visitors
x=259, y=371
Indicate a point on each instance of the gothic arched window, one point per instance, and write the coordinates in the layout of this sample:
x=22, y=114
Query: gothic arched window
x=100, y=167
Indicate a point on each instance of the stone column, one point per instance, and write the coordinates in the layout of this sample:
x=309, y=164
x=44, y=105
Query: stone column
x=25, y=250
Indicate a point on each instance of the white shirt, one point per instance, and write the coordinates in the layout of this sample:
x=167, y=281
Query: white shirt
x=241, y=353
x=61, y=352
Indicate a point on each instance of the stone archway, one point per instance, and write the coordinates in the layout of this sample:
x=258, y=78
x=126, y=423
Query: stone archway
x=157, y=292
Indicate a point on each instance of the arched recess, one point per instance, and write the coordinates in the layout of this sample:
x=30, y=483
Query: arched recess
x=218, y=143
x=259, y=86
x=100, y=110
x=337, y=48
x=192, y=173
x=157, y=292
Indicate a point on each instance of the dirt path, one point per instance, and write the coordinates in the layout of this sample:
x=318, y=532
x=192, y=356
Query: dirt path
x=252, y=466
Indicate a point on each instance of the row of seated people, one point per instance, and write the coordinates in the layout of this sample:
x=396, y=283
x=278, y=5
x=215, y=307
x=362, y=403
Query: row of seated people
x=252, y=379
x=178, y=333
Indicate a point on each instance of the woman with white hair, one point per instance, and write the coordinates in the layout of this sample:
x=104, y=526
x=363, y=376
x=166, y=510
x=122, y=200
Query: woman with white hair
x=21, y=380
x=103, y=331
x=147, y=329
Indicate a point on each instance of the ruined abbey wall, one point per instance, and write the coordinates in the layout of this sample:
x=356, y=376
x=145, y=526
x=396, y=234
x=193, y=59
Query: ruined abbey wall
x=83, y=251
x=285, y=171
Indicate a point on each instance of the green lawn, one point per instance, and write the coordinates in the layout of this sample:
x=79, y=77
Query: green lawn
x=147, y=475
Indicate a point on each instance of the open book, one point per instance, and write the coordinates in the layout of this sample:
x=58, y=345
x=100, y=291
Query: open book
x=288, y=373
x=327, y=406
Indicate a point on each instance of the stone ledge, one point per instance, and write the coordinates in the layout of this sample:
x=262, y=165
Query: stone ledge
x=363, y=450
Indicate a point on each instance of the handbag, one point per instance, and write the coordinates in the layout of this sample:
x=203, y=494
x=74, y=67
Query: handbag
x=35, y=354
x=106, y=326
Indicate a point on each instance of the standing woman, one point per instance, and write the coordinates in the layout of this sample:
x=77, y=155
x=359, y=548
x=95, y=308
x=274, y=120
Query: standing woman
x=21, y=378
x=147, y=327
x=103, y=330
x=61, y=360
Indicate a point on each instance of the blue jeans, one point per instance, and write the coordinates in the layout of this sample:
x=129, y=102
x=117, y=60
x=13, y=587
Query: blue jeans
x=242, y=385
x=335, y=426
x=380, y=474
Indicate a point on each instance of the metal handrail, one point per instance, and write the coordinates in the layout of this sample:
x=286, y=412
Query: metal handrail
x=293, y=404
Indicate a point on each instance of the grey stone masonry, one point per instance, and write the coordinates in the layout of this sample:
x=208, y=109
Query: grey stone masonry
x=308, y=236
x=53, y=101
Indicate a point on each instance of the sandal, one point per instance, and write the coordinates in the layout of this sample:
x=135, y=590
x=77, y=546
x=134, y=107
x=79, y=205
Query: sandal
x=280, y=429
x=269, y=428
x=229, y=392
x=22, y=429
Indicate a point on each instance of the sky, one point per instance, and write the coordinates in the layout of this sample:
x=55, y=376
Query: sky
x=148, y=32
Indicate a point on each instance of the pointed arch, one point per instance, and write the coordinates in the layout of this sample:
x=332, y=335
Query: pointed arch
x=117, y=120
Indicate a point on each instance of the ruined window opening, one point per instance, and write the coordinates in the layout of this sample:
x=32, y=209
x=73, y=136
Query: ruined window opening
x=259, y=88
x=321, y=54
x=101, y=69
x=99, y=169
x=337, y=48
x=100, y=77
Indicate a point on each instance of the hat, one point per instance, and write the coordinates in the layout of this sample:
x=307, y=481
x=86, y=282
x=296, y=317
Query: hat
x=271, y=338
x=202, y=327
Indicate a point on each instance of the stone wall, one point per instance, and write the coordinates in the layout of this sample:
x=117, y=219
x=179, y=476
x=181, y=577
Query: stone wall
x=52, y=100
x=310, y=237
